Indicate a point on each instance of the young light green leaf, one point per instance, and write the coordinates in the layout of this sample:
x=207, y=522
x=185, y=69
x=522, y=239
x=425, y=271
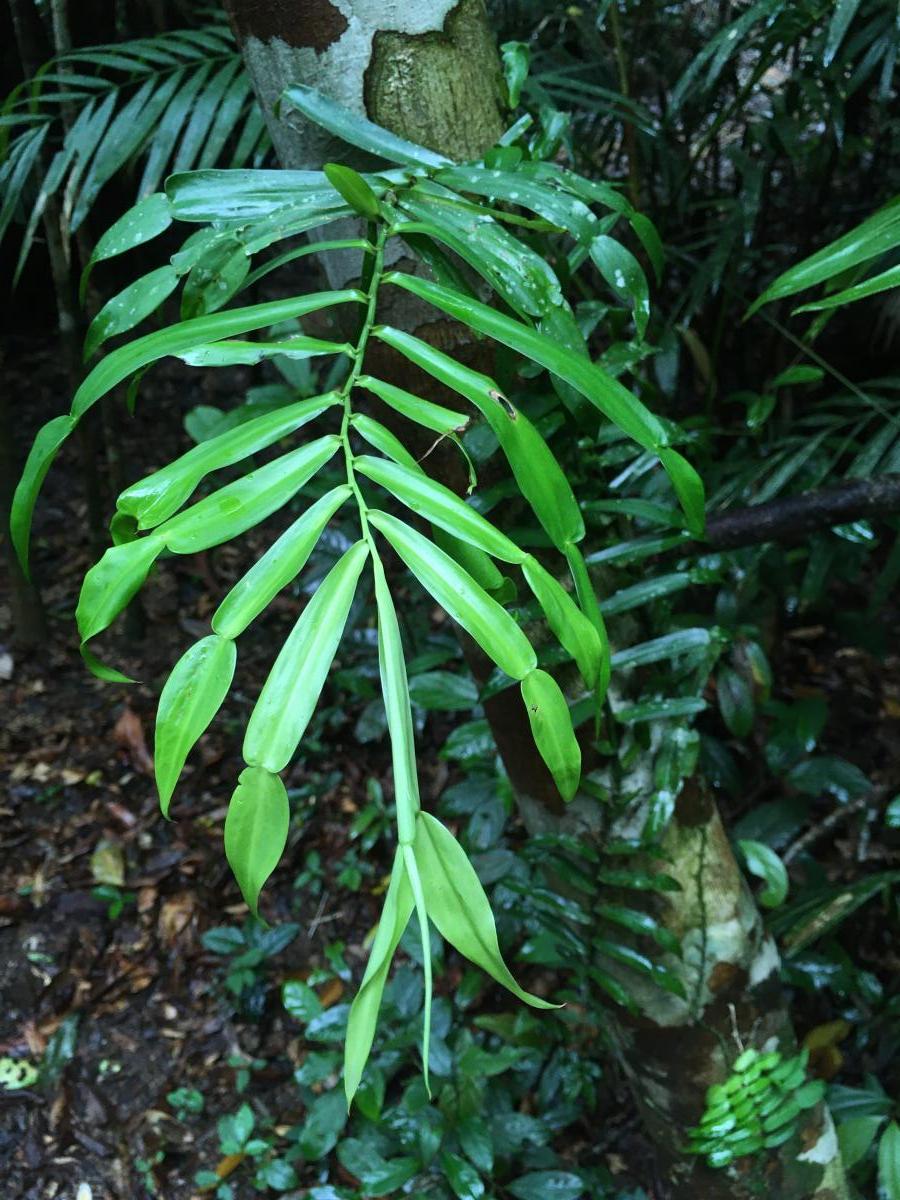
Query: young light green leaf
x=281, y=563
x=356, y=130
x=551, y=727
x=192, y=696
x=354, y=189
x=256, y=830
x=196, y=332
x=538, y=474
x=423, y=412
x=606, y=393
x=571, y=627
x=155, y=498
x=764, y=863
x=590, y=606
x=292, y=690
x=111, y=583
x=457, y=592
x=458, y=906
x=130, y=307
x=439, y=504
x=43, y=450
x=233, y=509
x=398, y=906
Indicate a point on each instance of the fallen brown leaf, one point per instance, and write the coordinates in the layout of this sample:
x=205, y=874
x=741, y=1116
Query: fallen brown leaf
x=128, y=733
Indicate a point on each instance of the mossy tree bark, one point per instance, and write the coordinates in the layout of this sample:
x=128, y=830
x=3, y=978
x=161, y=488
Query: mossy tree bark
x=430, y=72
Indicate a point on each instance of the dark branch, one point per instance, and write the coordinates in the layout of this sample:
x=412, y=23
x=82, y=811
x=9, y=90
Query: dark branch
x=795, y=517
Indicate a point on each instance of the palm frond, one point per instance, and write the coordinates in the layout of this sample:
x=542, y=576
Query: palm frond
x=173, y=102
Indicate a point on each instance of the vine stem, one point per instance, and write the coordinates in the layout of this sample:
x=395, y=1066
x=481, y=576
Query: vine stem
x=359, y=352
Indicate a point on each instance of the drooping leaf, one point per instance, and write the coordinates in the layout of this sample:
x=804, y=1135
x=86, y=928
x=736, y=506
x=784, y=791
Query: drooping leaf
x=551, y=727
x=131, y=306
x=414, y=408
x=238, y=506
x=111, y=583
x=439, y=504
x=281, y=563
x=398, y=906
x=458, y=906
x=43, y=450
x=256, y=830
x=573, y=629
x=356, y=130
x=291, y=692
x=455, y=590
x=538, y=474
x=395, y=690
x=192, y=696
x=154, y=499
x=196, y=332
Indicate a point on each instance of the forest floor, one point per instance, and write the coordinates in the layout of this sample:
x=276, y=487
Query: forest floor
x=113, y=990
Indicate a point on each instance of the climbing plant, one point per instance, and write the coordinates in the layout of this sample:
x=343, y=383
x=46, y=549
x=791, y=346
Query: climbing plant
x=498, y=219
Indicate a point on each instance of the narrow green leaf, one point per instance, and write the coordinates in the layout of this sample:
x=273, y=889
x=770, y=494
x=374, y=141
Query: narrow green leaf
x=43, y=450
x=415, y=883
x=624, y=275
x=538, y=474
x=482, y=568
x=233, y=509
x=292, y=690
x=764, y=863
x=395, y=690
x=606, y=393
x=551, y=727
x=281, y=563
x=192, y=696
x=590, y=606
x=571, y=627
x=457, y=592
x=237, y=353
x=439, y=504
x=398, y=906
x=187, y=334
x=458, y=905
x=844, y=12
x=882, y=282
x=111, y=583
x=688, y=488
x=354, y=189
x=146, y=220
x=156, y=497
x=356, y=130
x=414, y=408
x=382, y=439
x=873, y=237
x=516, y=63
x=129, y=307
x=256, y=830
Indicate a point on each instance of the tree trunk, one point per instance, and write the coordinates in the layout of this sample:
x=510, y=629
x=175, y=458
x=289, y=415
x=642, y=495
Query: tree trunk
x=430, y=72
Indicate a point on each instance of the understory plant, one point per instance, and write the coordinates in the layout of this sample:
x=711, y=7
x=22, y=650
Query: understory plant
x=500, y=219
